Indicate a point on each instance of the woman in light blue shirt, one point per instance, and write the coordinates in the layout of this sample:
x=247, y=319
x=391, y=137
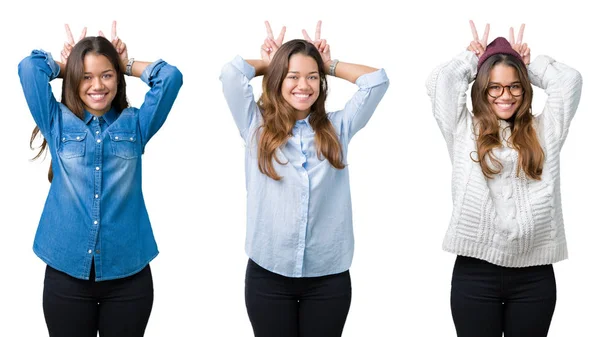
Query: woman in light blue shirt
x=94, y=233
x=299, y=220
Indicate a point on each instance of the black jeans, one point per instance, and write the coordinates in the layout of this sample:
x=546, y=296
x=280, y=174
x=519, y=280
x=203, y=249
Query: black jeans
x=296, y=307
x=80, y=308
x=488, y=300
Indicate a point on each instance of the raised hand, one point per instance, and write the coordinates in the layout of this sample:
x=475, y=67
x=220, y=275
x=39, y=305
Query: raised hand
x=478, y=45
x=271, y=44
x=119, y=45
x=321, y=44
x=518, y=45
x=68, y=46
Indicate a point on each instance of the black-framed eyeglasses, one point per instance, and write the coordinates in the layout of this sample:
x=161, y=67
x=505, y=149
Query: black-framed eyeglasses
x=497, y=90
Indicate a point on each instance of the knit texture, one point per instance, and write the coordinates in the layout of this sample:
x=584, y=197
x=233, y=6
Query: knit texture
x=537, y=236
x=499, y=46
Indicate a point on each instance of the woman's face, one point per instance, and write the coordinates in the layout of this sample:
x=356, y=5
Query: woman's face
x=98, y=87
x=300, y=87
x=504, y=82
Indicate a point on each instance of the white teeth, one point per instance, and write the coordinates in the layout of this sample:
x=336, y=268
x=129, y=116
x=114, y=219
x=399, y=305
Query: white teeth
x=505, y=105
x=301, y=95
x=97, y=96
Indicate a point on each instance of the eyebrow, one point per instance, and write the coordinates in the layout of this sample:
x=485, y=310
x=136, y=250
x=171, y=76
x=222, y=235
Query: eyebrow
x=297, y=72
x=501, y=83
x=104, y=72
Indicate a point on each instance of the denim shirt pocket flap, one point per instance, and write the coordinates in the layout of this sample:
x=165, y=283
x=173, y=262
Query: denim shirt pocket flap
x=72, y=144
x=124, y=144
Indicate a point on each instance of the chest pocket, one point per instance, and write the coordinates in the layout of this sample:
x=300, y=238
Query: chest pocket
x=72, y=144
x=124, y=144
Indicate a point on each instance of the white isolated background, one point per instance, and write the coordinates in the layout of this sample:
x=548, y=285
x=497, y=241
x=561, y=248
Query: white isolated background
x=400, y=172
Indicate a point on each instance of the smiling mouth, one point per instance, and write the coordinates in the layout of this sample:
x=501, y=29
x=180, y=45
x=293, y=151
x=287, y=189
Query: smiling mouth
x=97, y=97
x=302, y=97
x=505, y=106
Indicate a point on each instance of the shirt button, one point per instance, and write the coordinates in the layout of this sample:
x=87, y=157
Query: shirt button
x=98, y=141
x=89, y=251
x=131, y=139
x=95, y=222
x=96, y=196
x=97, y=132
x=97, y=168
x=95, y=118
x=116, y=137
x=78, y=138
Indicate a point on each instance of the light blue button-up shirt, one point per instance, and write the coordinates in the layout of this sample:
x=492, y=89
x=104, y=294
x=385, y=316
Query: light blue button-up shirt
x=95, y=209
x=300, y=226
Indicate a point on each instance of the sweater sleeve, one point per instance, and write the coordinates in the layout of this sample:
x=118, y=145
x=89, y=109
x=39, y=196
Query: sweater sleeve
x=447, y=88
x=563, y=85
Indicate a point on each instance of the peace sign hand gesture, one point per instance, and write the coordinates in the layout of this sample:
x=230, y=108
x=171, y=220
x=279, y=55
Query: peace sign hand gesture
x=321, y=45
x=478, y=45
x=271, y=45
x=519, y=46
x=68, y=46
x=118, y=44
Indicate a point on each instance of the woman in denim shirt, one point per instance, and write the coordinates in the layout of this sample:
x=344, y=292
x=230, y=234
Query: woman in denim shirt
x=94, y=233
x=299, y=220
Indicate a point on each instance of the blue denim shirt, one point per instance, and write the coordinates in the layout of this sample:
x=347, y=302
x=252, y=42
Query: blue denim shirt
x=95, y=208
x=300, y=226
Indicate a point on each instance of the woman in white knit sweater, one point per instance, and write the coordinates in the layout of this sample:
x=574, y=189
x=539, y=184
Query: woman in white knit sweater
x=506, y=225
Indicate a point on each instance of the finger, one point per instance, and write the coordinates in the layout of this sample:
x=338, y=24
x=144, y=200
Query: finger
x=83, y=33
x=317, y=45
x=306, y=37
x=473, y=30
x=511, y=36
x=113, y=31
x=521, y=31
x=269, y=31
x=101, y=34
x=477, y=48
x=473, y=46
x=271, y=44
x=318, y=31
x=323, y=45
x=524, y=50
x=281, y=35
x=326, y=50
x=268, y=45
x=69, y=34
x=486, y=33
x=118, y=45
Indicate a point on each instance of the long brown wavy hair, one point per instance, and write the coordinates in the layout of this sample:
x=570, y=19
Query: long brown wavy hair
x=523, y=136
x=279, y=116
x=74, y=70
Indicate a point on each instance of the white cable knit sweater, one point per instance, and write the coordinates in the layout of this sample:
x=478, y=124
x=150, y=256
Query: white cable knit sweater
x=534, y=234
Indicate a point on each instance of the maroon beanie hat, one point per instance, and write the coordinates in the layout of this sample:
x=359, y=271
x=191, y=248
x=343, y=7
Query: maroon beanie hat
x=499, y=46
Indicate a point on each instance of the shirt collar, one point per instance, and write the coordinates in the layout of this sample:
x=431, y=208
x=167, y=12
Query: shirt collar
x=306, y=122
x=109, y=117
